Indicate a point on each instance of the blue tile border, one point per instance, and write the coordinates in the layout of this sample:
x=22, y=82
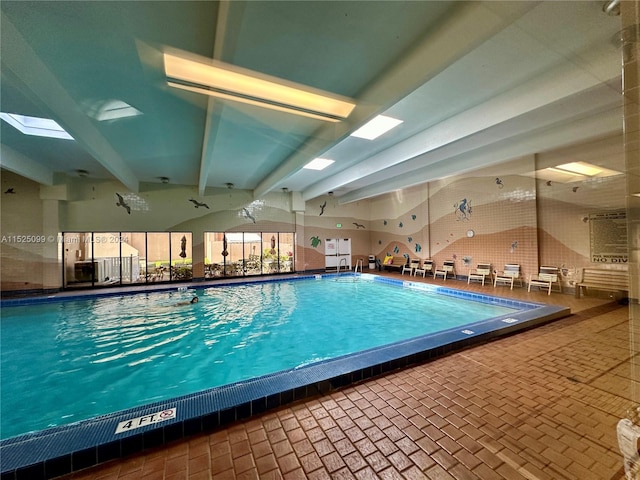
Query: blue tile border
x=61, y=450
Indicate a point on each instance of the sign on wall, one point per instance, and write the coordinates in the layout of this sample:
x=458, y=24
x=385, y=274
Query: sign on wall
x=608, y=236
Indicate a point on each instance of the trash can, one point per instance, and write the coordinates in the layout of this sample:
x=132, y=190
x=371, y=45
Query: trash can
x=372, y=262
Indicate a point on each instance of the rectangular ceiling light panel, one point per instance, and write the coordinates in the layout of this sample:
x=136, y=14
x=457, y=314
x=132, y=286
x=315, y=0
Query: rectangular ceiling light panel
x=376, y=127
x=261, y=89
x=318, y=164
x=587, y=169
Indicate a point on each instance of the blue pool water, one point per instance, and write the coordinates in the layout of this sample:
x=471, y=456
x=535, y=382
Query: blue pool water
x=67, y=361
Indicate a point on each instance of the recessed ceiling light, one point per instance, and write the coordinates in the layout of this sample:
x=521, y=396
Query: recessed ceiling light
x=227, y=81
x=318, y=164
x=376, y=127
x=561, y=171
x=587, y=169
x=580, y=168
x=40, y=127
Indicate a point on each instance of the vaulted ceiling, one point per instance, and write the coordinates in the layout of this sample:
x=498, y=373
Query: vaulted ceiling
x=475, y=84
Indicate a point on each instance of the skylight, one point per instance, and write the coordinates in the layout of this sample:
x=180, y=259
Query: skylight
x=40, y=127
x=107, y=110
x=318, y=164
x=376, y=127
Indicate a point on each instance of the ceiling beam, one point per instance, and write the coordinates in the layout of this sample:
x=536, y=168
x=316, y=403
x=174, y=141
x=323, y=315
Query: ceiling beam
x=214, y=106
x=553, y=86
x=25, y=167
x=471, y=24
x=595, y=102
x=19, y=58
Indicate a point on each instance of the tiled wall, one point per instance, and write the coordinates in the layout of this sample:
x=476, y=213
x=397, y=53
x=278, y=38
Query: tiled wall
x=498, y=206
x=514, y=218
x=321, y=219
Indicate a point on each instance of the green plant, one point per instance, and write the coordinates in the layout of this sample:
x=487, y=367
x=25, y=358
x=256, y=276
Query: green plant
x=268, y=255
x=182, y=273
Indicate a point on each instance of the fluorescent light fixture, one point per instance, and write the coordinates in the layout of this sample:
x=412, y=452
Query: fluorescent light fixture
x=376, y=127
x=40, y=127
x=249, y=101
x=230, y=82
x=318, y=164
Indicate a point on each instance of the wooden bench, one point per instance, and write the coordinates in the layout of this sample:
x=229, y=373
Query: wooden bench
x=396, y=263
x=603, y=279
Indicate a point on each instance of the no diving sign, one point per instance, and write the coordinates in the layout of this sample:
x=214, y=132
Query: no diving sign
x=145, y=420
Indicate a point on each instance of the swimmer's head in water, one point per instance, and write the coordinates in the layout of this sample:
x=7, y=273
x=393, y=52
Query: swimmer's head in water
x=194, y=300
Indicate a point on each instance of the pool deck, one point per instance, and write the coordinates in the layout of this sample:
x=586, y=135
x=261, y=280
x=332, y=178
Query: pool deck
x=540, y=404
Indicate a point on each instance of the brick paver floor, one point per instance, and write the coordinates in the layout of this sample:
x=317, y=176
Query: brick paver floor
x=542, y=404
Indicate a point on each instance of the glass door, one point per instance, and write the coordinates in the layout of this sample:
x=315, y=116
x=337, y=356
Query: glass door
x=79, y=269
x=158, y=257
x=181, y=259
x=134, y=257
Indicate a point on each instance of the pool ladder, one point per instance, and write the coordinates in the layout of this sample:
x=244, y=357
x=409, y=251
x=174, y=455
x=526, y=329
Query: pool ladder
x=346, y=267
x=358, y=263
x=355, y=270
x=340, y=263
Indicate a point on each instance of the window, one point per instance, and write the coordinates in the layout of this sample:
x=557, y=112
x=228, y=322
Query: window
x=233, y=254
x=94, y=259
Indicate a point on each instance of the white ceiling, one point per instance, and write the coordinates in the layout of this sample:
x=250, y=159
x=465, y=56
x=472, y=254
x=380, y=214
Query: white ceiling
x=476, y=84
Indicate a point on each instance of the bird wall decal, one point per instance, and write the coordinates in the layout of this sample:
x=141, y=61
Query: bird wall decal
x=322, y=207
x=358, y=225
x=123, y=204
x=10, y=190
x=198, y=204
x=246, y=214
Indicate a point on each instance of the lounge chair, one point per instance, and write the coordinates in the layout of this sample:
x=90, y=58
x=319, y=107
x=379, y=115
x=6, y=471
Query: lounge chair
x=426, y=267
x=481, y=273
x=411, y=266
x=546, y=277
x=508, y=276
x=448, y=268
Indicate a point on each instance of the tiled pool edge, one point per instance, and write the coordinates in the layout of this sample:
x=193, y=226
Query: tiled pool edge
x=70, y=448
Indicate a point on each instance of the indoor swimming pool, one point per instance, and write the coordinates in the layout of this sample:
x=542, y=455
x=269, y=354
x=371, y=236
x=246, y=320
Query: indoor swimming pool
x=120, y=358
